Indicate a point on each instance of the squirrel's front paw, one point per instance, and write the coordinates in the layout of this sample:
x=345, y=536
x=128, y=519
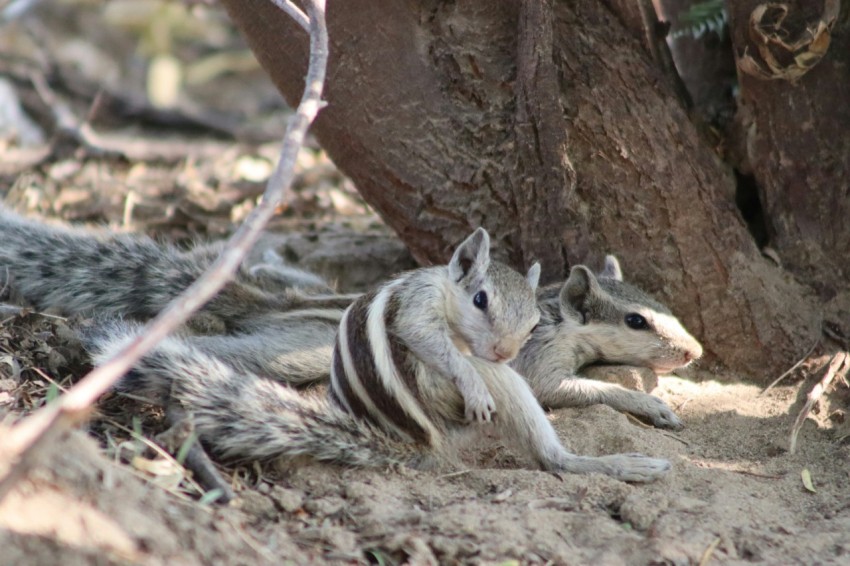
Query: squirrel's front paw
x=663, y=416
x=656, y=411
x=480, y=406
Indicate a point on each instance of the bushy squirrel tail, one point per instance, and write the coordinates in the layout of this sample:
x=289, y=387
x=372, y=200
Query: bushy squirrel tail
x=245, y=417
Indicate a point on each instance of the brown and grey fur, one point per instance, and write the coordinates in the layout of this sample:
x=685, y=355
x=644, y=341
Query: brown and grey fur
x=271, y=319
x=428, y=316
x=242, y=416
x=73, y=271
x=385, y=397
x=582, y=320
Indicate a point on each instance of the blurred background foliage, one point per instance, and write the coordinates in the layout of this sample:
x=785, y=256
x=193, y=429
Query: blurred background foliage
x=148, y=115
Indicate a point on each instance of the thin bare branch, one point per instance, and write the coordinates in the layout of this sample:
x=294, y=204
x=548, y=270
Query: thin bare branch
x=790, y=370
x=39, y=428
x=294, y=12
x=17, y=9
x=839, y=365
x=66, y=122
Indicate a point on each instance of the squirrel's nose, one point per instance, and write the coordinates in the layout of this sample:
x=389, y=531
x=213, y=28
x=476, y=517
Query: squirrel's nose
x=503, y=352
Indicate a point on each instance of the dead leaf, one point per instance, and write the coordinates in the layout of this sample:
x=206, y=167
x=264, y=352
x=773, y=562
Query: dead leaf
x=254, y=169
x=165, y=77
x=807, y=480
x=780, y=57
x=14, y=367
x=167, y=474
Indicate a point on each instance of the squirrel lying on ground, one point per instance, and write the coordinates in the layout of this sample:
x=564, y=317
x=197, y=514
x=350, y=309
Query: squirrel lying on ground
x=602, y=319
x=399, y=386
x=278, y=321
x=281, y=323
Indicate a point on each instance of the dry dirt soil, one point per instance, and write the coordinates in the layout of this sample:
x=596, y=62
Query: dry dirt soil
x=735, y=496
x=104, y=496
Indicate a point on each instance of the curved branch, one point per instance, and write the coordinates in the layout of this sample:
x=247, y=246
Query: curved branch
x=294, y=12
x=35, y=431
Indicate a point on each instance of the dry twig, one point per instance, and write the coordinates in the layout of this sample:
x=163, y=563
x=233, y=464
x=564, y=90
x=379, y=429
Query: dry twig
x=709, y=552
x=66, y=122
x=17, y=9
x=294, y=12
x=792, y=368
x=839, y=364
x=674, y=437
x=36, y=431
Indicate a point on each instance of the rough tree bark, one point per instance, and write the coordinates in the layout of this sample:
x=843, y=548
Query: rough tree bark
x=798, y=143
x=548, y=124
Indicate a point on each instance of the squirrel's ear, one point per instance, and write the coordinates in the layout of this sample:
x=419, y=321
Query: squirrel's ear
x=472, y=256
x=612, y=269
x=533, y=276
x=579, y=290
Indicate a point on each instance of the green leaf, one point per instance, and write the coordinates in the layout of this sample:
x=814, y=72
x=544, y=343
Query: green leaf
x=52, y=392
x=211, y=496
x=702, y=17
x=185, y=447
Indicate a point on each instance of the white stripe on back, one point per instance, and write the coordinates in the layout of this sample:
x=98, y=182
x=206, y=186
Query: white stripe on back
x=334, y=377
x=384, y=365
x=357, y=387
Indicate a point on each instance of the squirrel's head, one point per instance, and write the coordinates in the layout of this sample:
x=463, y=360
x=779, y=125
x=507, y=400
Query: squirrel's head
x=494, y=308
x=624, y=324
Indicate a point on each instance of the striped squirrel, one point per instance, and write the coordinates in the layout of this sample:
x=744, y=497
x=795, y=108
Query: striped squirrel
x=400, y=389
x=264, y=321
x=72, y=271
x=442, y=317
x=602, y=319
x=75, y=271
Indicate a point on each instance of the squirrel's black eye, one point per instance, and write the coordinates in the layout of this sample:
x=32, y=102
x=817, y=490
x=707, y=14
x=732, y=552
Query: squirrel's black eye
x=480, y=300
x=636, y=321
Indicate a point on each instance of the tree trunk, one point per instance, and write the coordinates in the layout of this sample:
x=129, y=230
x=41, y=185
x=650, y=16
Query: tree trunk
x=798, y=143
x=548, y=124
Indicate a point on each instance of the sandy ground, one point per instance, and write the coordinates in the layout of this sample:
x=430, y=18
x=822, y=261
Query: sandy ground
x=101, y=496
x=735, y=496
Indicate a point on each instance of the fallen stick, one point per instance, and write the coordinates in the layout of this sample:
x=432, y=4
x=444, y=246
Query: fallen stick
x=30, y=435
x=792, y=368
x=840, y=363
